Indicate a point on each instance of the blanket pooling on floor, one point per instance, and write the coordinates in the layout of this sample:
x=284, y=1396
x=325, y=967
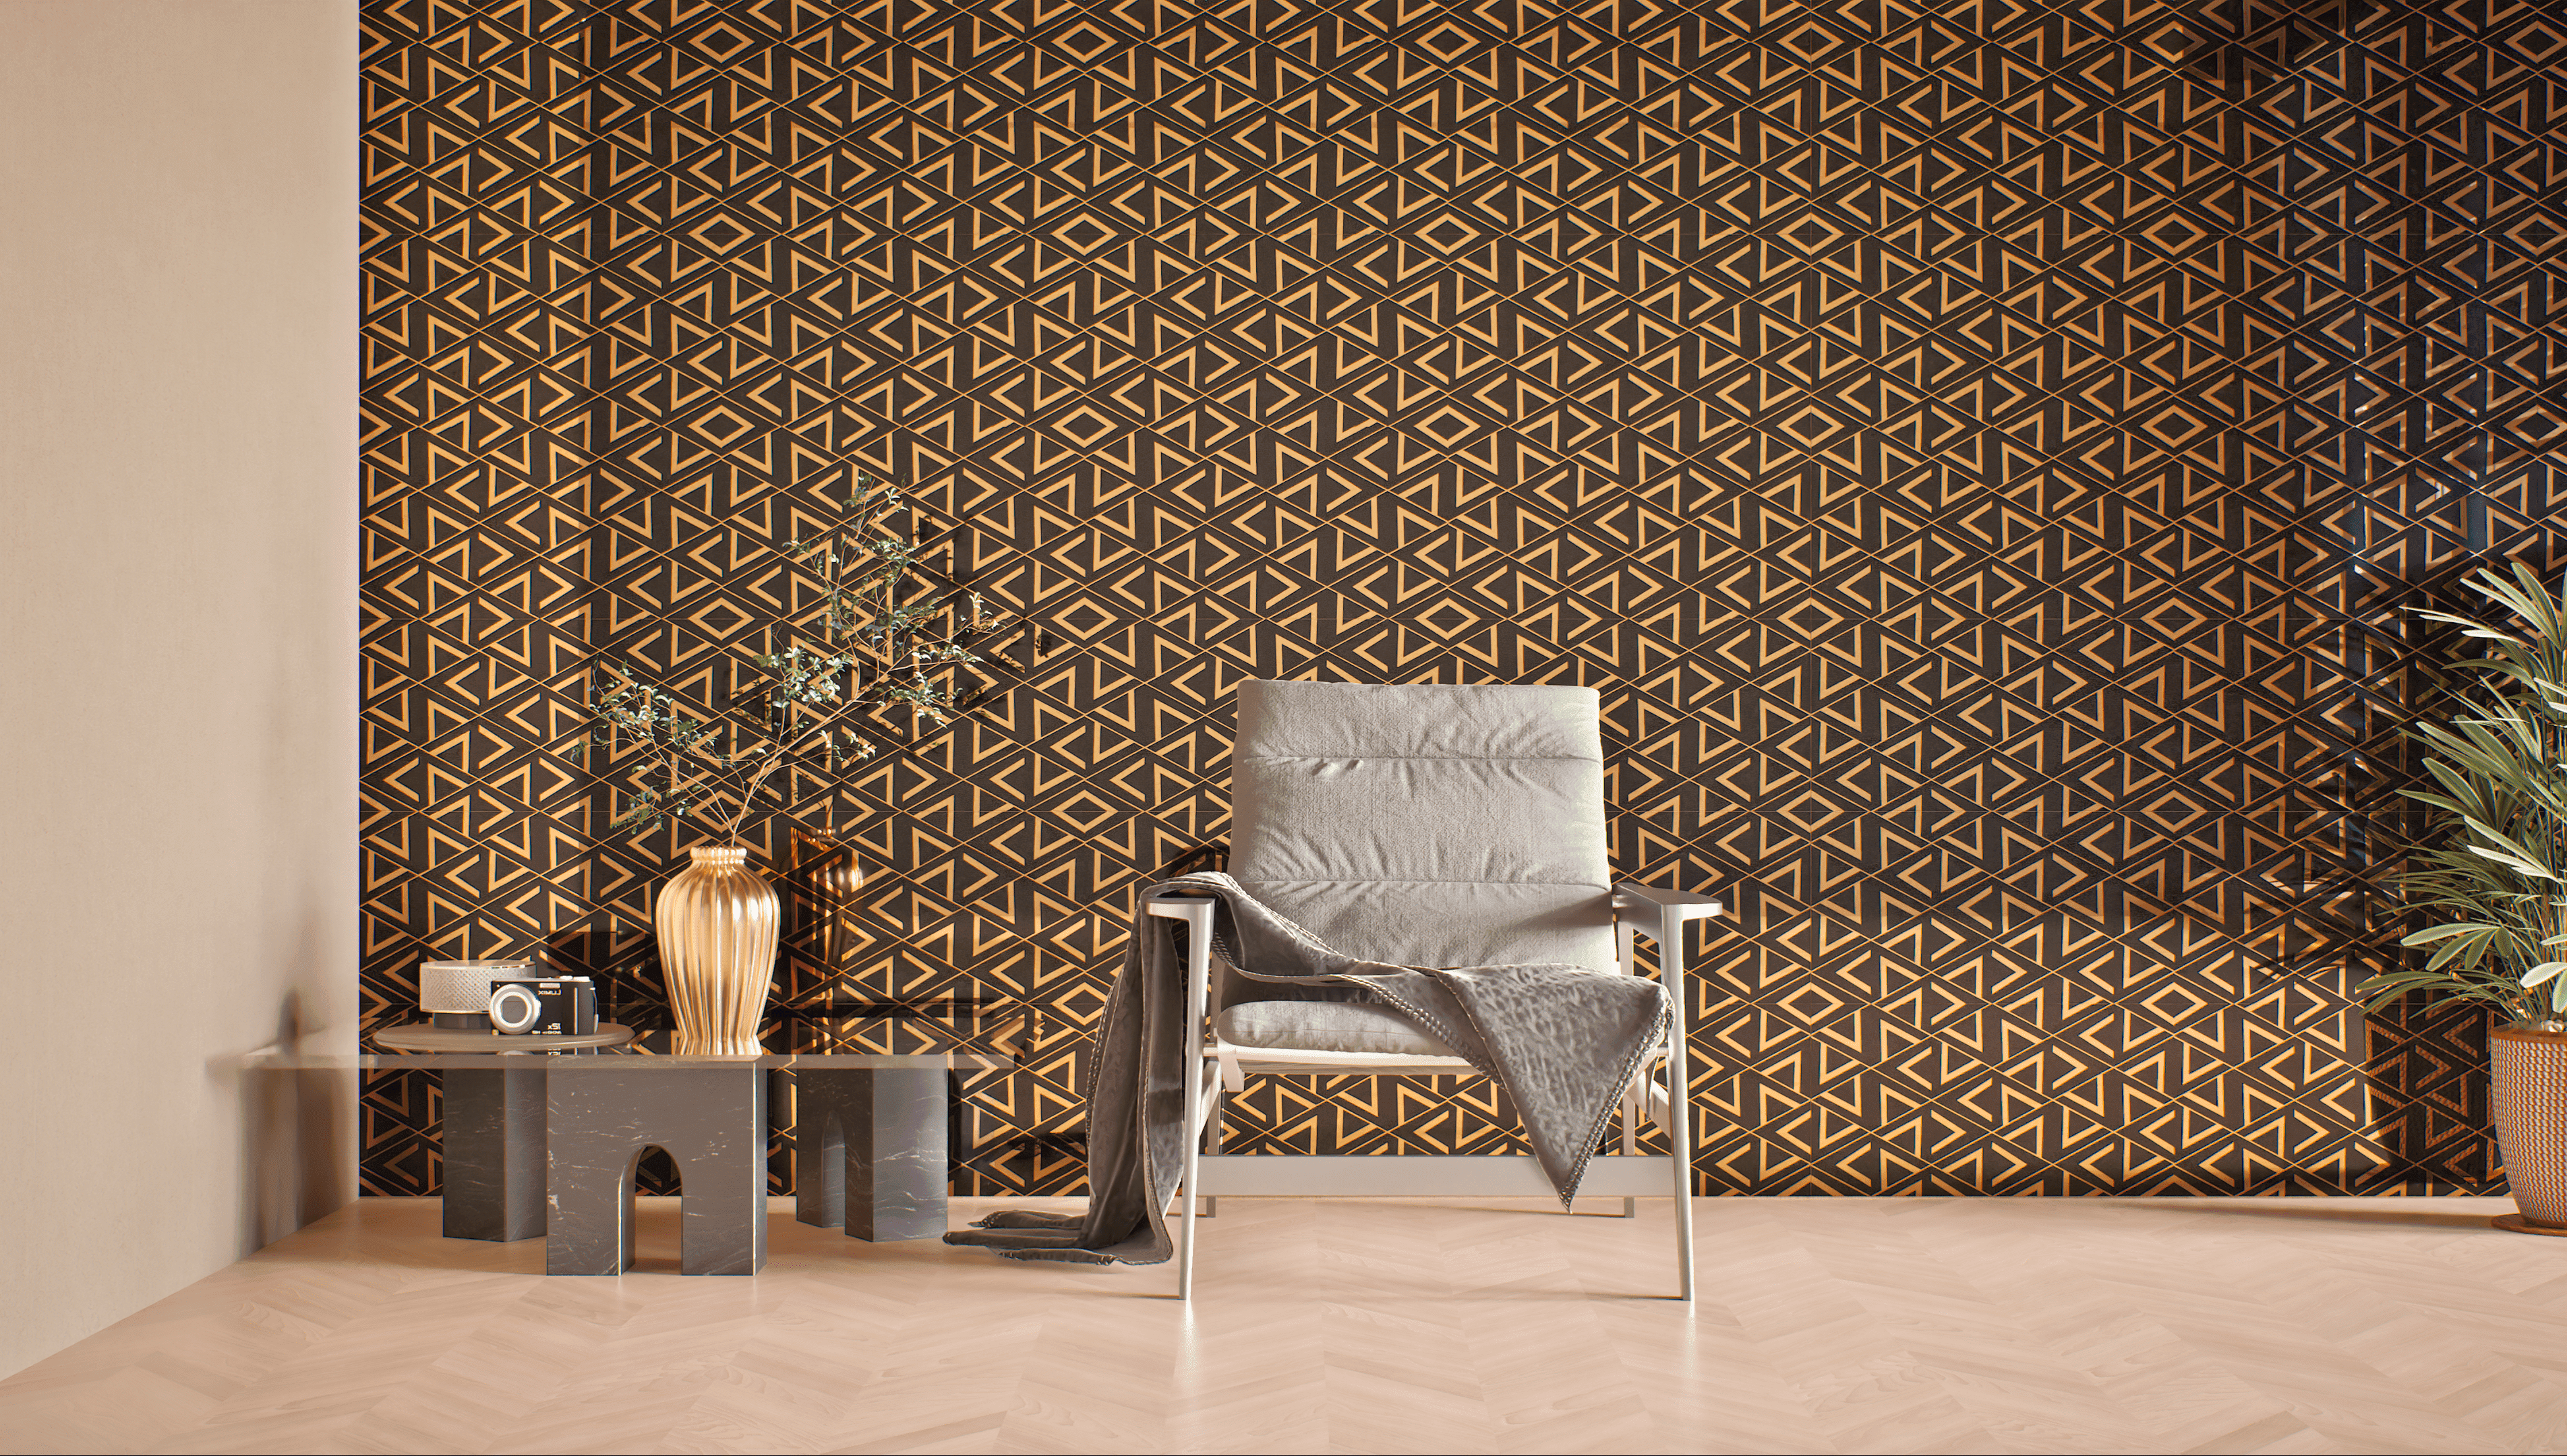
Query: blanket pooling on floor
x=1563, y=1041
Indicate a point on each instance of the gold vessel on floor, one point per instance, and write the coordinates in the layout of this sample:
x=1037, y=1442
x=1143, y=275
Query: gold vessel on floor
x=716, y=923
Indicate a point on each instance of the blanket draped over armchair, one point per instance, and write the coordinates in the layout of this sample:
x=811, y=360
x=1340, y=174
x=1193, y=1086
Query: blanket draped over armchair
x=1563, y=1041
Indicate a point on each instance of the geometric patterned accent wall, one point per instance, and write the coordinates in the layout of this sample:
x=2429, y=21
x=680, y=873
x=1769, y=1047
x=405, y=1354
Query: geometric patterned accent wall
x=1978, y=452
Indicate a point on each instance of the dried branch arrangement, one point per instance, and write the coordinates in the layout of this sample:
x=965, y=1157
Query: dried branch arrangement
x=878, y=643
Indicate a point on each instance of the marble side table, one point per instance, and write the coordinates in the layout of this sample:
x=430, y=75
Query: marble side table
x=873, y=1156
x=494, y=1125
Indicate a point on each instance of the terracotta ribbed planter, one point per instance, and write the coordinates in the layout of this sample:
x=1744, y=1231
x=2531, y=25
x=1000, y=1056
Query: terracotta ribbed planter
x=716, y=924
x=2528, y=1072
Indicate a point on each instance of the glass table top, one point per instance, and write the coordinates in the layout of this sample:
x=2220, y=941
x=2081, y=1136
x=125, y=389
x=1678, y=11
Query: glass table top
x=847, y=1036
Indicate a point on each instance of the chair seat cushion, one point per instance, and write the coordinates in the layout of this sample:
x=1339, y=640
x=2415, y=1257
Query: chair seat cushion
x=1324, y=1025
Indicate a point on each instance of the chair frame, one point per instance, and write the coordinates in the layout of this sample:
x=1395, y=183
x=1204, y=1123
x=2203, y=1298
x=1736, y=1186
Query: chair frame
x=1639, y=910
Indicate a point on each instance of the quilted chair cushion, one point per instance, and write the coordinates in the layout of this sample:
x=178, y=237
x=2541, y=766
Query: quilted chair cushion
x=1324, y=1025
x=1425, y=824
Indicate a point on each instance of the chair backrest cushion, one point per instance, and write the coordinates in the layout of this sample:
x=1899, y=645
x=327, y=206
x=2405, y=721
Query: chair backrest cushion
x=1426, y=824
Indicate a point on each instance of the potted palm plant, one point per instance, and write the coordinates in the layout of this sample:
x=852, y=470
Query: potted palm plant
x=871, y=641
x=2496, y=881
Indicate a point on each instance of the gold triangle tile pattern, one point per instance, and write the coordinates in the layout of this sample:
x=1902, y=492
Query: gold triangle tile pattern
x=1976, y=450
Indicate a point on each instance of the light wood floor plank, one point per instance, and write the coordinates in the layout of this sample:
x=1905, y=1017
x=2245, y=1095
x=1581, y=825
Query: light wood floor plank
x=1827, y=1326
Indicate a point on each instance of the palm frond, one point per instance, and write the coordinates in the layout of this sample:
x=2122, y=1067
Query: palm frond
x=2496, y=877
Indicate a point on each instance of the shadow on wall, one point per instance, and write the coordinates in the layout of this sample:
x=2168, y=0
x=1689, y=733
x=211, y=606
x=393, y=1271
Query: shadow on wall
x=2432, y=1065
x=297, y=1122
x=2242, y=44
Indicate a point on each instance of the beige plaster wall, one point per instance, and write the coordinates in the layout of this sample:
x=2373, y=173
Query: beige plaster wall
x=177, y=641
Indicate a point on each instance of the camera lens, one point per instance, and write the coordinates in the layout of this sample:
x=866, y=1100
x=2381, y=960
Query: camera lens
x=515, y=1010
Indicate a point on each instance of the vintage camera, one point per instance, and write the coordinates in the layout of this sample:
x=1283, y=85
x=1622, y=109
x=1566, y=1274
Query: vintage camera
x=543, y=1006
x=457, y=994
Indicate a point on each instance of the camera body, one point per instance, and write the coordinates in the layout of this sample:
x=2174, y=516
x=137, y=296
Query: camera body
x=457, y=994
x=543, y=1006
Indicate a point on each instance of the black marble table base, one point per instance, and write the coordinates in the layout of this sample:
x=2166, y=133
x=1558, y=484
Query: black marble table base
x=870, y=1149
x=869, y=1152
x=712, y=1120
x=494, y=1154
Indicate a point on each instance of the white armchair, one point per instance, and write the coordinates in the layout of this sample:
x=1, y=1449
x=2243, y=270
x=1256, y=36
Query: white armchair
x=1422, y=826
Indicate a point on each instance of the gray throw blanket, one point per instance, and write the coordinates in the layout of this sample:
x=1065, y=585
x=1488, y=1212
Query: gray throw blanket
x=1563, y=1041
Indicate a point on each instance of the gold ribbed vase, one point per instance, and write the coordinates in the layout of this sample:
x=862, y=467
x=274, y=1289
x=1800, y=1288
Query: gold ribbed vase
x=2528, y=1093
x=716, y=924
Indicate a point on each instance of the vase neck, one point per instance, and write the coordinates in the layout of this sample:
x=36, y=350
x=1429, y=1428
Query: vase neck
x=719, y=855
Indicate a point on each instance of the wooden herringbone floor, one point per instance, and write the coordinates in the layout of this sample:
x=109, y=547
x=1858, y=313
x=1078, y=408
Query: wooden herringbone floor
x=1826, y=1325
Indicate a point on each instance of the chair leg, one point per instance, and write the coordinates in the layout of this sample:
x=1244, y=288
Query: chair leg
x=1212, y=1206
x=1186, y=1247
x=1195, y=1095
x=1633, y=1101
x=1680, y=1152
